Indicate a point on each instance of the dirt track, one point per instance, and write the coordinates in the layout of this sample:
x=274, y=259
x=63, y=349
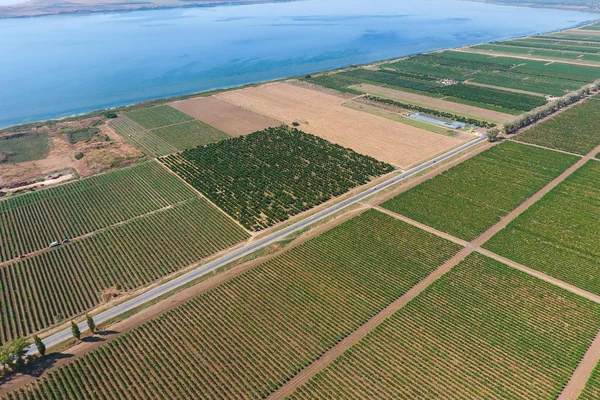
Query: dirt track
x=230, y=119
x=323, y=115
x=443, y=105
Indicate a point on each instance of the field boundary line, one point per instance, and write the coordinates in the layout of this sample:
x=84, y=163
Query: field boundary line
x=508, y=262
x=175, y=124
x=485, y=85
x=422, y=226
x=521, y=57
x=202, y=196
x=582, y=373
x=540, y=275
x=546, y=148
x=149, y=132
x=362, y=331
x=96, y=232
x=503, y=223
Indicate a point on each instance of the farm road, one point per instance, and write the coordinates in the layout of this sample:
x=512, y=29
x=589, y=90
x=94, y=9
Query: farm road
x=579, y=377
x=182, y=280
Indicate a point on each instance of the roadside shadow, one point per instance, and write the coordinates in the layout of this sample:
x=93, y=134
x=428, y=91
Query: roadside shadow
x=92, y=339
x=107, y=332
x=37, y=368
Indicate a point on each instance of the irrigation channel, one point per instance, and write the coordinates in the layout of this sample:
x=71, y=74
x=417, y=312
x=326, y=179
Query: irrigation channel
x=190, y=276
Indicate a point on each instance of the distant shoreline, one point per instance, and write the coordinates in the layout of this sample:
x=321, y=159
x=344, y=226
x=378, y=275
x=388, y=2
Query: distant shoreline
x=32, y=9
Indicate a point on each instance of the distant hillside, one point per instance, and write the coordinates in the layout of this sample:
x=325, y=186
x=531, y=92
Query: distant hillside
x=50, y=7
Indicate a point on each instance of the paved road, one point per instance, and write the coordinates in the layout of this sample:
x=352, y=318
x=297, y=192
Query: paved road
x=182, y=280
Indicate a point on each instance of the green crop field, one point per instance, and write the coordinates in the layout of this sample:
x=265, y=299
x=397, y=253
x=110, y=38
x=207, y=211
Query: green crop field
x=190, y=134
x=53, y=286
x=481, y=331
x=503, y=99
x=32, y=221
x=577, y=37
x=559, y=234
x=554, y=45
x=140, y=137
x=158, y=117
x=593, y=27
x=250, y=335
x=471, y=197
x=485, y=70
x=584, y=74
x=592, y=389
x=540, y=53
x=20, y=148
x=267, y=176
x=575, y=130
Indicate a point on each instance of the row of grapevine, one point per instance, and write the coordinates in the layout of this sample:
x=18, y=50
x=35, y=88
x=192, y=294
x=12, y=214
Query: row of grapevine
x=484, y=330
x=250, y=335
x=32, y=221
x=145, y=140
x=265, y=177
x=471, y=197
x=559, y=234
x=50, y=287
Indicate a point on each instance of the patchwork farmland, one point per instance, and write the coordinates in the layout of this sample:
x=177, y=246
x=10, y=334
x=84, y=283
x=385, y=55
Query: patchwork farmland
x=398, y=296
x=483, y=330
x=323, y=115
x=575, y=130
x=239, y=339
x=471, y=197
x=54, y=286
x=559, y=234
x=164, y=130
x=266, y=177
x=32, y=221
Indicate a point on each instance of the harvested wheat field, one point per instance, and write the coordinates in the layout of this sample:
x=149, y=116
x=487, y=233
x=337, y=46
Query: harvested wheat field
x=324, y=115
x=443, y=105
x=228, y=118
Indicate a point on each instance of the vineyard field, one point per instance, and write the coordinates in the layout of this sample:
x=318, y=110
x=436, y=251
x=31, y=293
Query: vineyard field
x=50, y=287
x=238, y=340
x=483, y=330
x=553, y=45
x=32, y=221
x=267, y=176
x=469, y=198
x=140, y=137
x=558, y=70
x=495, y=97
x=575, y=130
x=158, y=117
x=189, y=134
x=572, y=37
x=541, y=53
x=559, y=234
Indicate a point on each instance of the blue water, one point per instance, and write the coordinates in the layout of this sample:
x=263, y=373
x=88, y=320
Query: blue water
x=62, y=65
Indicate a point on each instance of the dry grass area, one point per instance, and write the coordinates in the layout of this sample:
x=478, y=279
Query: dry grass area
x=100, y=154
x=324, y=115
x=443, y=105
x=230, y=119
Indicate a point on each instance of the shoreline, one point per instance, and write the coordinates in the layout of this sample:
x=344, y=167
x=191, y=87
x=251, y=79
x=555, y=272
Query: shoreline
x=208, y=92
x=127, y=9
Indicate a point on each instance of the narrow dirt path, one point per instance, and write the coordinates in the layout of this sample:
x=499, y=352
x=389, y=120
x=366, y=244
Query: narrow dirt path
x=545, y=148
x=330, y=356
x=469, y=82
x=524, y=57
x=583, y=371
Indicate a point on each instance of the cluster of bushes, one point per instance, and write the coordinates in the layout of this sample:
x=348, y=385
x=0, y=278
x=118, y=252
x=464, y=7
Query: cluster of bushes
x=12, y=355
x=454, y=117
x=542, y=112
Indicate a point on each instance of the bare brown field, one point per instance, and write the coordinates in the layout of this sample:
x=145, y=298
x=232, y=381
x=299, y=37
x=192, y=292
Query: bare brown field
x=443, y=105
x=324, y=115
x=226, y=117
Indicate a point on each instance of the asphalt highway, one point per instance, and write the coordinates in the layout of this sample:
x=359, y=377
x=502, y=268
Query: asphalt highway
x=251, y=247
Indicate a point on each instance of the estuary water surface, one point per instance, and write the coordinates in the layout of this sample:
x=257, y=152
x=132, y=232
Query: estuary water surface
x=61, y=65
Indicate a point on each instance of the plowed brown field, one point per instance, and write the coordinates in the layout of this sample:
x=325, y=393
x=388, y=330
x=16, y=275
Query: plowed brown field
x=230, y=119
x=323, y=115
